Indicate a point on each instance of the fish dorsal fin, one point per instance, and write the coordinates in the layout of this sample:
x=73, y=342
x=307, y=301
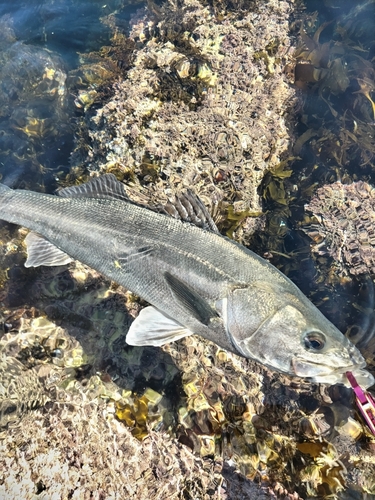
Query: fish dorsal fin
x=152, y=327
x=105, y=186
x=191, y=300
x=41, y=252
x=188, y=207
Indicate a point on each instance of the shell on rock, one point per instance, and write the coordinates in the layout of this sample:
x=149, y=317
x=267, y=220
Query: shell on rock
x=343, y=226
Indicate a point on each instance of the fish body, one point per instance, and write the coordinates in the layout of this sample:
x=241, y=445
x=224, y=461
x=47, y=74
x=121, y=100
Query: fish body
x=196, y=281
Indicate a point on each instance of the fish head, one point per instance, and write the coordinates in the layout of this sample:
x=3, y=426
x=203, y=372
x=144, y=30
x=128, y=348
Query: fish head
x=286, y=332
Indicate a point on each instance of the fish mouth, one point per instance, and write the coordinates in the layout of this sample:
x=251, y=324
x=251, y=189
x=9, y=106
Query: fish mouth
x=321, y=374
x=364, y=378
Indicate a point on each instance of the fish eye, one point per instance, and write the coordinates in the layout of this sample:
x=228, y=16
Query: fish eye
x=314, y=341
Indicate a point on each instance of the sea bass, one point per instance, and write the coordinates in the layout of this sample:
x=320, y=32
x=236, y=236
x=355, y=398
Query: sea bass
x=197, y=281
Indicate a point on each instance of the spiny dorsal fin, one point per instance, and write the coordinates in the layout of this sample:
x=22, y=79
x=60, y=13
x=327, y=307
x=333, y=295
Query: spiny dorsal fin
x=105, y=186
x=186, y=206
x=41, y=252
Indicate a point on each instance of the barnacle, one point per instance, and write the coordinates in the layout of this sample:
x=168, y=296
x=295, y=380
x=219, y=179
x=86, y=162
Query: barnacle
x=193, y=106
x=312, y=476
x=328, y=459
x=314, y=424
x=343, y=225
x=368, y=485
x=85, y=98
x=40, y=341
x=325, y=471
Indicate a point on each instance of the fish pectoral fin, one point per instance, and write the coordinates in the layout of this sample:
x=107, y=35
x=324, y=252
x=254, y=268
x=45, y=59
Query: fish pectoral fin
x=40, y=252
x=197, y=306
x=152, y=327
x=106, y=186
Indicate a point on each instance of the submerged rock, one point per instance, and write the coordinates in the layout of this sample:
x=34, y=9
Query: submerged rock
x=33, y=107
x=343, y=226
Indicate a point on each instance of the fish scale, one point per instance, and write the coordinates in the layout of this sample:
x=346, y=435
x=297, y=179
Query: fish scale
x=175, y=240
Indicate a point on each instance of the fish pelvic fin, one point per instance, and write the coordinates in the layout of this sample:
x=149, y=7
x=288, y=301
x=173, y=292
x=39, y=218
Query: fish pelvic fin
x=40, y=252
x=106, y=186
x=196, y=305
x=153, y=328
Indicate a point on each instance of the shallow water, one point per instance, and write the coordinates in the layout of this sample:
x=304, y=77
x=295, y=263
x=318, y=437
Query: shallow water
x=68, y=326
x=38, y=106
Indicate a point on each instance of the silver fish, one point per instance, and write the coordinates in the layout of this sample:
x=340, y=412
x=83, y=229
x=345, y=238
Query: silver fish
x=196, y=281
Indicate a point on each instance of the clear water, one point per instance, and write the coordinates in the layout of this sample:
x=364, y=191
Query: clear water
x=35, y=124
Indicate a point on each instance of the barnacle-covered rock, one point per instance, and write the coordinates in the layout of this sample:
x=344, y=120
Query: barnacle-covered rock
x=39, y=341
x=343, y=226
x=326, y=474
x=63, y=429
x=62, y=452
x=28, y=72
x=20, y=390
x=97, y=314
x=41, y=356
x=69, y=451
x=89, y=80
x=221, y=406
x=261, y=421
x=200, y=102
x=224, y=413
